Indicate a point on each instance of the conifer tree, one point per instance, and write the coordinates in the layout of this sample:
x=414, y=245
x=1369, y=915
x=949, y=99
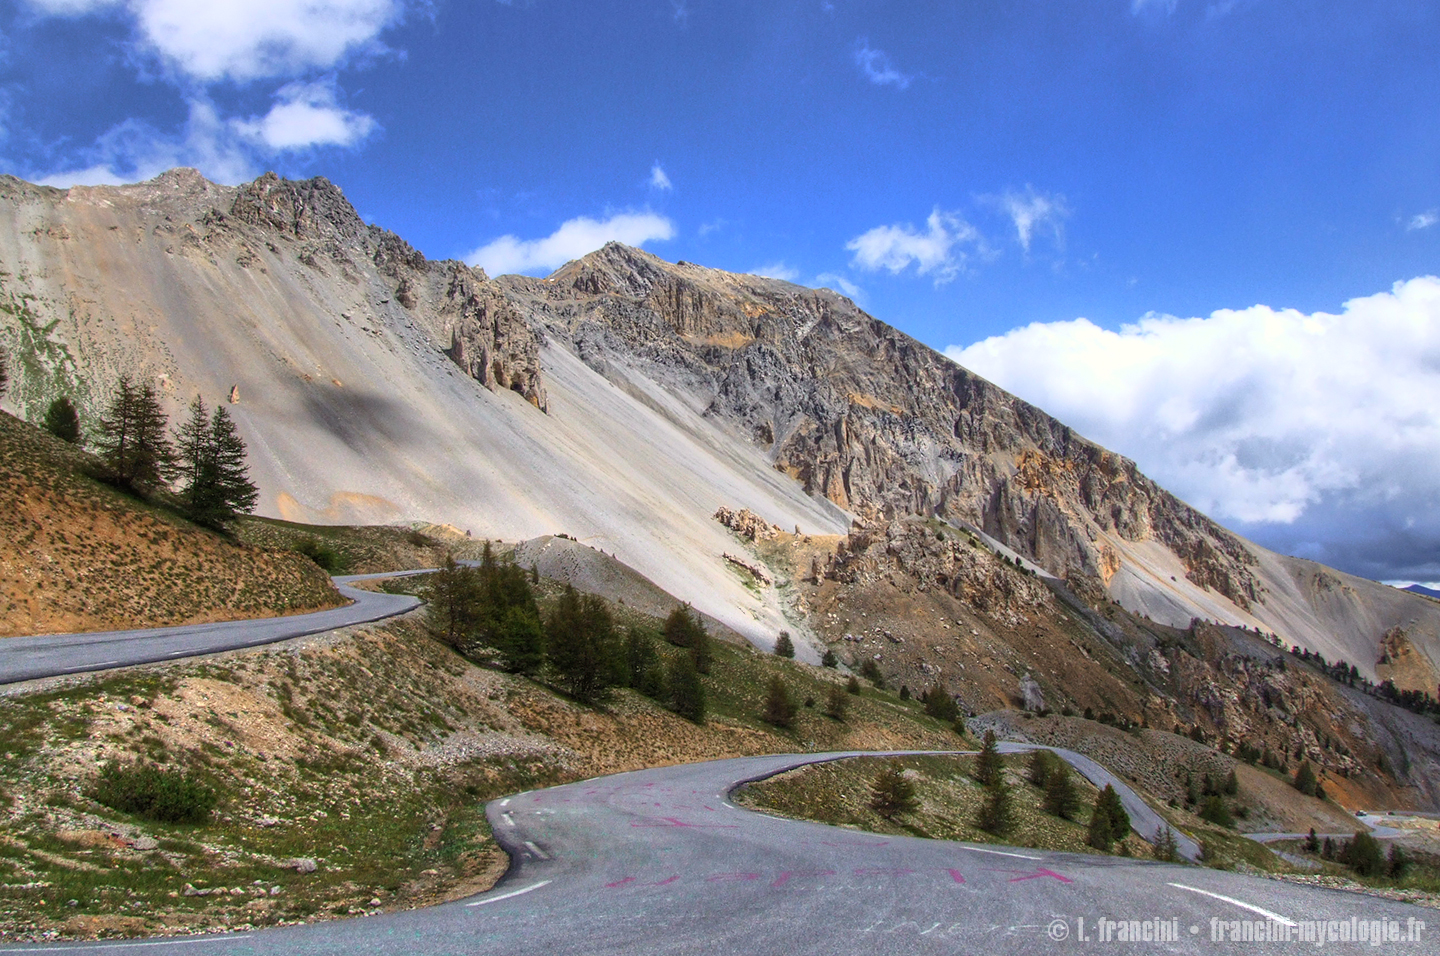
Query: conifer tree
x=1042, y=764
x=940, y=705
x=210, y=460
x=988, y=766
x=450, y=609
x=687, y=691
x=784, y=647
x=133, y=444
x=581, y=644
x=890, y=793
x=4, y=373
x=1061, y=800
x=62, y=421
x=1116, y=824
x=828, y=659
x=997, y=813
x=1305, y=780
x=837, y=703
x=779, y=708
x=1099, y=835
x=640, y=658
x=683, y=628
x=521, y=641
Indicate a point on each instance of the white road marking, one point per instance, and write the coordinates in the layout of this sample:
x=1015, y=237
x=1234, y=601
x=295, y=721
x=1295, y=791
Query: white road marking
x=1240, y=903
x=94, y=946
x=506, y=817
x=505, y=802
x=86, y=667
x=1018, y=856
x=537, y=851
x=506, y=896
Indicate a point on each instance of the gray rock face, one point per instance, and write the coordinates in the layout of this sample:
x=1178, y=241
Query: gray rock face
x=1031, y=697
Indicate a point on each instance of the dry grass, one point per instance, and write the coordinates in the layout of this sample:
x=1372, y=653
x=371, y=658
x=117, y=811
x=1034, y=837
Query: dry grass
x=77, y=555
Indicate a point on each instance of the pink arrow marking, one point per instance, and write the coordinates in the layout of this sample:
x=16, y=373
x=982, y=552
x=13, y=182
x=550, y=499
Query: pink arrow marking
x=955, y=875
x=1039, y=872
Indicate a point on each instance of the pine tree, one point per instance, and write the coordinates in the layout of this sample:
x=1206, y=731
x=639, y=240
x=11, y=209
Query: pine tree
x=521, y=641
x=1061, y=800
x=1109, y=801
x=1398, y=862
x=133, y=444
x=687, y=692
x=779, y=708
x=581, y=644
x=4, y=373
x=852, y=686
x=940, y=705
x=1166, y=848
x=1100, y=835
x=1215, y=811
x=683, y=628
x=988, y=766
x=1305, y=780
x=784, y=647
x=62, y=421
x=640, y=658
x=997, y=813
x=828, y=659
x=871, y=672
x=891, y=794
x=1363, y=855
x=1042, y=764
x=1312, y=842
x=451, y=606
x=1231, y=786
x=837, y=702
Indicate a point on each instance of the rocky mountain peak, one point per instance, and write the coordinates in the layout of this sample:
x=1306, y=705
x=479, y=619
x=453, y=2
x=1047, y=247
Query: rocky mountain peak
x=312, y=209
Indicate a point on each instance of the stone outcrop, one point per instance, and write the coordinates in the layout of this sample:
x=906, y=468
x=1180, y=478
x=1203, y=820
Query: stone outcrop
x=873, y=420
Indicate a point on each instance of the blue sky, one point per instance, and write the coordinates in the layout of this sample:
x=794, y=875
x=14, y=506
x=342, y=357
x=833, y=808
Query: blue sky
x=980, y=174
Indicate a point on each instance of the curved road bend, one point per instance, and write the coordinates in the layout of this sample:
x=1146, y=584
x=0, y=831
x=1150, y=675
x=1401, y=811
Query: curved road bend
x=52, y=655
x=659, y=861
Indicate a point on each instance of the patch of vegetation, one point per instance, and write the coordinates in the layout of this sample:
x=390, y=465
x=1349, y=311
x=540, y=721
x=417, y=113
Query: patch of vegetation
x=154, y=793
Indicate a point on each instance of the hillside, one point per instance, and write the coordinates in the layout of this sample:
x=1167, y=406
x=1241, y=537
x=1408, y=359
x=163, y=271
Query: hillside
x=77, y=555
x=622, y=401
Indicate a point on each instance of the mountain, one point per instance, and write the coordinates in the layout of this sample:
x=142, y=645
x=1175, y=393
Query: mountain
x=623, y=400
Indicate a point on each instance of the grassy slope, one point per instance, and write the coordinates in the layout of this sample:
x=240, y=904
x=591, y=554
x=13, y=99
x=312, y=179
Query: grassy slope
x=372, y=752
x=77, y=555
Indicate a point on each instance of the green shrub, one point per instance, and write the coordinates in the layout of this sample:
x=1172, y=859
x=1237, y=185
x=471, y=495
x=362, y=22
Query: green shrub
x=154, y=793
x=321, y=553
x=891, y=793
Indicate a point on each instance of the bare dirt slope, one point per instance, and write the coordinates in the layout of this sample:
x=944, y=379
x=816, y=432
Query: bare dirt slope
x=76, y=555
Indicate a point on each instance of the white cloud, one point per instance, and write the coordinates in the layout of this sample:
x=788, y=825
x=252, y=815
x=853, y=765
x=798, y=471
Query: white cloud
x=134, y=151
x=878, y=68
x=1030, y=211
x=933, y=252
x=573, y=239
x=305, y=115
x=658, y=179
x=776, y=270
x=836, y=282
x=1324, y=423
x=248, y=39
x=1423, y=220
x=1163, y=6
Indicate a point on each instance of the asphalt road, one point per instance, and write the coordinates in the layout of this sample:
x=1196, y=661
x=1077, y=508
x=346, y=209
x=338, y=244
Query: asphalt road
x=51, y=655
x=659, y=861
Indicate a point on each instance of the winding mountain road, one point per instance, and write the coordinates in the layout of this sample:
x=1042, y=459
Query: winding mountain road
x=53, y=655
x=660, y=861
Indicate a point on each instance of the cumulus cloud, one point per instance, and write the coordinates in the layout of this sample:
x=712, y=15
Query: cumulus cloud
x=1423, y=220
x=937, y=251
x=247, y=39
x=133, y=151
x=305, y=115
x=877, y=66
x=776, y=270
x=1318, y=433
x=1030, y=211
x=658, y=179
x=573, y=239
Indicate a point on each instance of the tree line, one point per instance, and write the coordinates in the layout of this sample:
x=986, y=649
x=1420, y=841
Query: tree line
x=490, y=610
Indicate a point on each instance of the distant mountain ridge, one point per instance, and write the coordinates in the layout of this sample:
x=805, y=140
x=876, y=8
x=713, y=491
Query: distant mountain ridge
x=372, y=385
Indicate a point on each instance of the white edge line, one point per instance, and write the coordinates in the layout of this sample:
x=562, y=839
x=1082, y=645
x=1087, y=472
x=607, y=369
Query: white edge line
x=1018, y=856
x=1240, y=903
x=506, y=896
x=144, y=942
x=505, y=802
x=506, y=817
x=537, y=851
